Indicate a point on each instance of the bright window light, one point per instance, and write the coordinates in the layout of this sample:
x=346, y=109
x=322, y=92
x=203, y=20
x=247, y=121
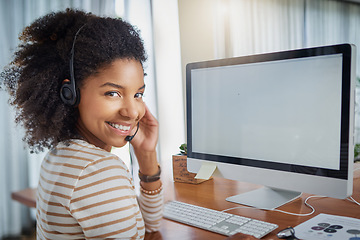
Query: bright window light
x=120, y=7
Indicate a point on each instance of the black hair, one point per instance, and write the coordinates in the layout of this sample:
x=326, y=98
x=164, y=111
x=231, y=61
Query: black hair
x=41, y=63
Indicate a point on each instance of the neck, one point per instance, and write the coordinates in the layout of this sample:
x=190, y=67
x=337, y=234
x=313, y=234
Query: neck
x=91, y=138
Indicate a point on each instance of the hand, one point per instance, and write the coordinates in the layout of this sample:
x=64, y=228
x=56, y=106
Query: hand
x=148, y=133
x=241, y=236
x=144, y=144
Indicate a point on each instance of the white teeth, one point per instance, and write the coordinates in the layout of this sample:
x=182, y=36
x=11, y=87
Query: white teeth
x=120, y=127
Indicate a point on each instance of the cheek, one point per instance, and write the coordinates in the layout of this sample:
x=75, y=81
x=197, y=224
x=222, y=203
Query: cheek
x=92, y=109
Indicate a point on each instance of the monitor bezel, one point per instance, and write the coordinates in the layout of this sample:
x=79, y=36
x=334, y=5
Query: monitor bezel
x=346, y=143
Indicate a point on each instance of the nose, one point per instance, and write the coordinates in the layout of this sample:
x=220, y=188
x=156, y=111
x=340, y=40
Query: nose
x=130, y=110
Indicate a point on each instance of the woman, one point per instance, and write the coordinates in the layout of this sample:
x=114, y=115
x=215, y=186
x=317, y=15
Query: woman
x=77, y=81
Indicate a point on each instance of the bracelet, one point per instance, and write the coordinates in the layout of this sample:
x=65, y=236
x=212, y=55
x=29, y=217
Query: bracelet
x=151, y=192
x=153, y=178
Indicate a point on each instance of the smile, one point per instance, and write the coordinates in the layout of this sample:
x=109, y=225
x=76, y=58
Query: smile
x=118, y=126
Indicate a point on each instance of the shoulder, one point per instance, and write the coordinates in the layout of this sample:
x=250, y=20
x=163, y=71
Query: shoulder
x=77, y=147
x=83, y=153
x=81, y=160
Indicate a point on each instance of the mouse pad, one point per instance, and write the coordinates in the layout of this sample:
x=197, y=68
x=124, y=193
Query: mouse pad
x=331, y=227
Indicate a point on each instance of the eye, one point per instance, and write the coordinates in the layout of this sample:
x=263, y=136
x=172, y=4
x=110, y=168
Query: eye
x=139, y=95
x=113, y=94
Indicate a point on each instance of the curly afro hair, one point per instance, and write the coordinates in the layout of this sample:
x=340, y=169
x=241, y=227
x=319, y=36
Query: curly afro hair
x=41, y=64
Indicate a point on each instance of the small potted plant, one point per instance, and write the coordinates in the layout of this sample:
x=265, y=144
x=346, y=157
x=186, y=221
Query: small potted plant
x=180, y=172
x=183, y=149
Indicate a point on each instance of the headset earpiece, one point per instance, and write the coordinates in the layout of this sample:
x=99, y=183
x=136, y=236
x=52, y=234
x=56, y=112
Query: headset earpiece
x=69, y=94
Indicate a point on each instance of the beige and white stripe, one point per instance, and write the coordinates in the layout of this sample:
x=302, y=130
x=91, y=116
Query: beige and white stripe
x=85, y=192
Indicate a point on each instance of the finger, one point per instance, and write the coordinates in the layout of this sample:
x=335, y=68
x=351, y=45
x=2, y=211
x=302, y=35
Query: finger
x=148, y=117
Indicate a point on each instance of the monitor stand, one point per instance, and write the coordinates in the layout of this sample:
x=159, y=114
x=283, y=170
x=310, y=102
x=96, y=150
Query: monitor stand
x=265, y=198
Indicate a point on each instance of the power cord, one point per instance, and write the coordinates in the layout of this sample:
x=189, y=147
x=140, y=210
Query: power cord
x=290, y=213
x=351, y=199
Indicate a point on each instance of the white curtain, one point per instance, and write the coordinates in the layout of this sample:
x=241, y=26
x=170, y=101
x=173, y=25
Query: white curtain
x=19, y=169
x=169, y=85
x=158, y=23
x=258, y=26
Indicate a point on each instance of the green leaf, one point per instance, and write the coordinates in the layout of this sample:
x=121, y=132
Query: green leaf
x=183, y=149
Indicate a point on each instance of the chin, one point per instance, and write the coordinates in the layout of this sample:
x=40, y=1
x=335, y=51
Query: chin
x=119, y=144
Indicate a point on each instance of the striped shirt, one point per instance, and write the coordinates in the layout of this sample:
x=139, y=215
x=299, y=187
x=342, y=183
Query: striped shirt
x=85, y=192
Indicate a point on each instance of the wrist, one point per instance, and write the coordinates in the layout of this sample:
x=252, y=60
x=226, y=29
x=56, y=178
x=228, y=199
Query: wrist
x=148, y=164
x=150, y=178
x=145, y=155
x=151, y=188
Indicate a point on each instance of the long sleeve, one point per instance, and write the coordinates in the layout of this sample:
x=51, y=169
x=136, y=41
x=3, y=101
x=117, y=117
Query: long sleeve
x=151, y=207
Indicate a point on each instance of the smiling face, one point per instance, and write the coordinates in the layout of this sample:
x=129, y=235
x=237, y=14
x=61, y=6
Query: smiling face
x=111, y=103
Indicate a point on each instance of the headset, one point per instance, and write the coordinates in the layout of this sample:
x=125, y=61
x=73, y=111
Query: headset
x=69, y=94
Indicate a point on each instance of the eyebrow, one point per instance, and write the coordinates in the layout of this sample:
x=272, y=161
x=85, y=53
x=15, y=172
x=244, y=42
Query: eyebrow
x=118, y=86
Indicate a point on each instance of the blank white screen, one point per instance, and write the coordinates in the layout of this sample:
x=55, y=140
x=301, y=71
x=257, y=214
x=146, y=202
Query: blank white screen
x=286, y=111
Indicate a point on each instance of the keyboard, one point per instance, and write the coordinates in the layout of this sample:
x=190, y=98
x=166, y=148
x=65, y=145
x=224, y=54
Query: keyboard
x=216, y=221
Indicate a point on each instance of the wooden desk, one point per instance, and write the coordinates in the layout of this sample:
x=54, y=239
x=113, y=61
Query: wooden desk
x=212, y=194
x=26, y=197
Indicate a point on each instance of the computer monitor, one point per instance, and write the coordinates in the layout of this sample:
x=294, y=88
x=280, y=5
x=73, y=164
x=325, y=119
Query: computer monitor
x=284, y=120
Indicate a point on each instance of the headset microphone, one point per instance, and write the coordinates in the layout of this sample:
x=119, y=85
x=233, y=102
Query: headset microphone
x=129, y=138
